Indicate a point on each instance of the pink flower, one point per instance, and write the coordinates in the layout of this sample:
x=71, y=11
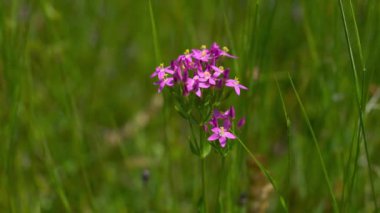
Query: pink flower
x=161, y=71
x=222, y=135
x=215, y=49
x=165, y=82
x=193, y=84
x=207, y=77
x=218, y=70
x=236, y=85
x=202, y=55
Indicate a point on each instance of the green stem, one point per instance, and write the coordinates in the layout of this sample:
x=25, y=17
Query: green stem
x=221, y=180
x=266, y=173
x=203, y=162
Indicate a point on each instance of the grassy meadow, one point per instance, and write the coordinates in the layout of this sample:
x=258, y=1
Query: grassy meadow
x=82, y=128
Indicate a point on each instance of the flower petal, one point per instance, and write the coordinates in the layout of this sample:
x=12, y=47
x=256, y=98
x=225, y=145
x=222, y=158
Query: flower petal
x=229, y=135
x=222, y=141
x=237, y=90
x=215, y=130
x=243, y=87
x=241, y=122
x=213, y=137
x=198, y=92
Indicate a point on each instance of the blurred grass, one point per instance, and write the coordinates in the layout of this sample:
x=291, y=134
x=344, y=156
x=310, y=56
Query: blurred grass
x=80, y=121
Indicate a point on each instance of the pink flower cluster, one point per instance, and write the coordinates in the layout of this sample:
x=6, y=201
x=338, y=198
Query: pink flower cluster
x=197, y=70
x=221, y=126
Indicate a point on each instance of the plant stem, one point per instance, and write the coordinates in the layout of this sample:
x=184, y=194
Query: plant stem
x=203, y=162
x=221, y=181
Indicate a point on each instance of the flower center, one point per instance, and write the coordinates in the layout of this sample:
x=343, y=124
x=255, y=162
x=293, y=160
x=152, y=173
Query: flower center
x=221, y=68
x=222, y=131
x=203, y=53
x=207, y=74
x=237, y=81
x=225, y=49
x=186, y=52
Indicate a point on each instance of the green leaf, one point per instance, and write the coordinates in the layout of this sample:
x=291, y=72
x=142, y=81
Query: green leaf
x=206, y=149
x=181, y=111
x=194, y=148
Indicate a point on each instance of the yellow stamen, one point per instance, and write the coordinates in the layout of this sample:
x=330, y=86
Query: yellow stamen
x=222, y=131
x=186, y=52
x=225, y=49
x=162, y=65
x=221, y=68
x=203, y=52
x=236, y=80
x=203, y=47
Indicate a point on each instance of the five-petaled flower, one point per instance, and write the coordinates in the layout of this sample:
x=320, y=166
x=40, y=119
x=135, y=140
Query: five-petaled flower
x=221, y=126
x=222, y=134
x=235, y=84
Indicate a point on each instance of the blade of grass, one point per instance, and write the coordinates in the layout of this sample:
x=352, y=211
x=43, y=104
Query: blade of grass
x=347, y=170
x=230, y=38
x=266, y=173
x=288, y=125
x=154, y=31
x=165, y=109
x=306, y=117
x=359, y=96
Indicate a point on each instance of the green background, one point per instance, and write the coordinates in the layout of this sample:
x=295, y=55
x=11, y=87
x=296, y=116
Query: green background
x=80, y=120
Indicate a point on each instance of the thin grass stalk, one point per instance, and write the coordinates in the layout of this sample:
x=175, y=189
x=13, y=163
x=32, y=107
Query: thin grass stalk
x=359, y=95
x=288, y=126
x=326, y=176
x=165, y=109
x=347, y=170
x=154, y=31
x=266, y=173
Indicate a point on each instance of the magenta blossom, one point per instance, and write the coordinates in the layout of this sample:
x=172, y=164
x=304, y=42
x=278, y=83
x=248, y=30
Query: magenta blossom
x=161, y=71
x=207, y=77
x=165, y=81
x=194, y=84
x=222, y=134
x=202, y=55
x=221, y=52
x=218, y=70
x=235, y=84
x=241, y=122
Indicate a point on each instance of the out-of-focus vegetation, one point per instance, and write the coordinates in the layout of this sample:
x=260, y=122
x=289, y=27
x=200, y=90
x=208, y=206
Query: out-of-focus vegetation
x=83, y=130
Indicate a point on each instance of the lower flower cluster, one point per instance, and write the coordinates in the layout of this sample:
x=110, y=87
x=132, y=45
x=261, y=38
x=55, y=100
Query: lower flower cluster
x=221, y=126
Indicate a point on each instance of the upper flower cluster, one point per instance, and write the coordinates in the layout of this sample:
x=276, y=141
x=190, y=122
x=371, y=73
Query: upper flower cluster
x=197, y=70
